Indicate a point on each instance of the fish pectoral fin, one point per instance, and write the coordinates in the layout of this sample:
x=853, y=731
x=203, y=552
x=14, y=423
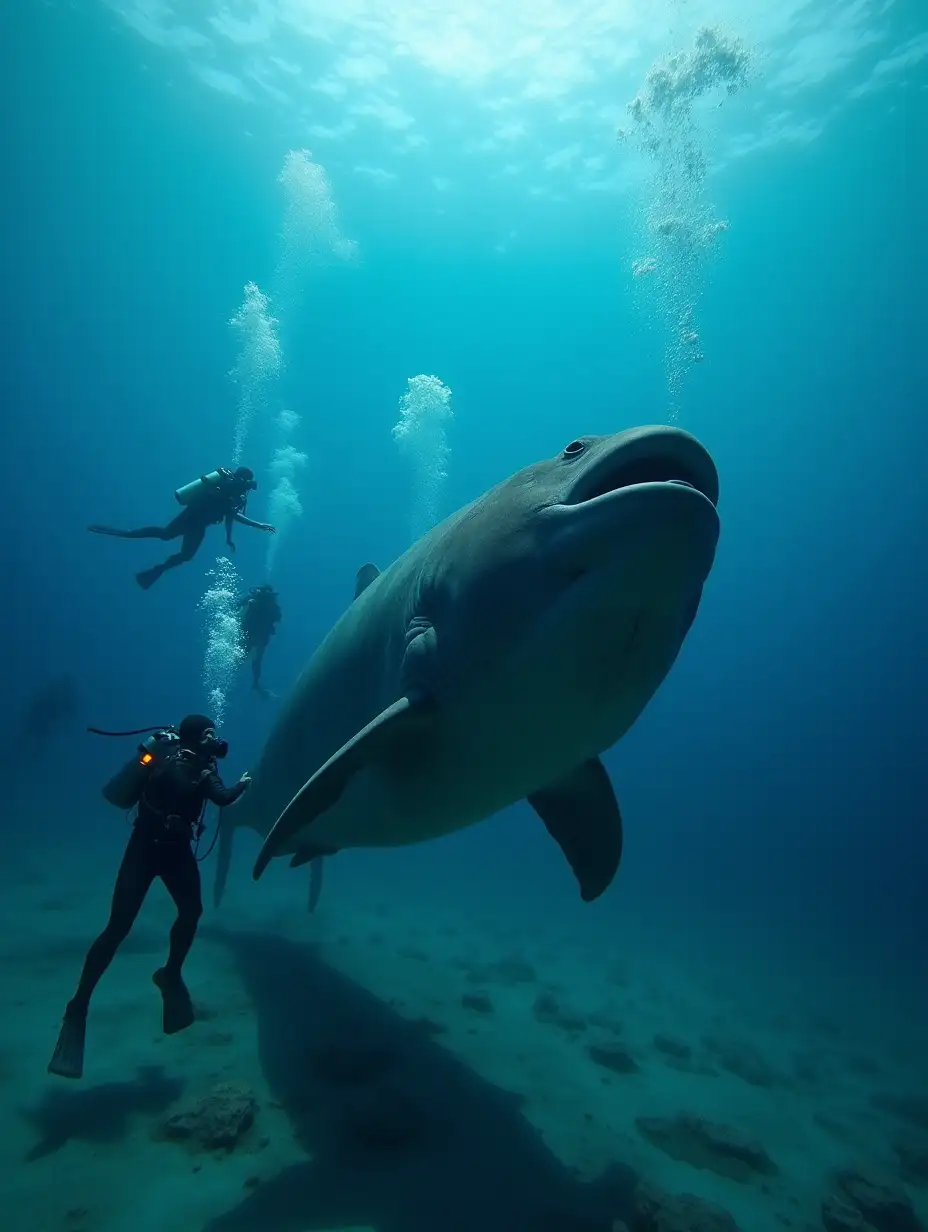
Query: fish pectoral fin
x=324, y=788
x=582, y=815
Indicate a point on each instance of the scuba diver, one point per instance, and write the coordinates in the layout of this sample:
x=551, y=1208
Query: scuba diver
x=217, y=497
x=259, y=618
x=170, y=778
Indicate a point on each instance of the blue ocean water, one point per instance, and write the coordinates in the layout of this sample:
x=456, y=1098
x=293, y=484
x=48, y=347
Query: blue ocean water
x=484, y=226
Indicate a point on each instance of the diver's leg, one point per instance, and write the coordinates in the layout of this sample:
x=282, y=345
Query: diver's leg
x=193, y=537
x=174, y=528
x=142, y=532
x=136, y=874
x=181, y=875
x=256, y=664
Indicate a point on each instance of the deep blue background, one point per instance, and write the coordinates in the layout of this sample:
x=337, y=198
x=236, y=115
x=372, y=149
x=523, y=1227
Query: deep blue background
x=774, y=790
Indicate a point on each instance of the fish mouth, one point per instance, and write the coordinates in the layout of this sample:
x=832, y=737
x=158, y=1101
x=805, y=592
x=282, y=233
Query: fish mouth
x=647, y=456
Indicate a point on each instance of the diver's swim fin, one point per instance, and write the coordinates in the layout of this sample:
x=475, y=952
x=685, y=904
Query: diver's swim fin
x=147, y=578
x=68, y=1058
x=96, y=529
x=178, y=1008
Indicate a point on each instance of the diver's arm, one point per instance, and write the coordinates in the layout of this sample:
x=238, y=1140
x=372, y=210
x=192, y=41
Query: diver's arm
x=240, y=517
x=216, y=791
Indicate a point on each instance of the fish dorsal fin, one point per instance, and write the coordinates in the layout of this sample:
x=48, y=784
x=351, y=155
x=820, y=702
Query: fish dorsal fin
x=366, y=575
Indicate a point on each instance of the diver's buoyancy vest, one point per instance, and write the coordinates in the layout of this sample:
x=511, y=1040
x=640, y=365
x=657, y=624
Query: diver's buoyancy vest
x=124, y=789
x=172, y=788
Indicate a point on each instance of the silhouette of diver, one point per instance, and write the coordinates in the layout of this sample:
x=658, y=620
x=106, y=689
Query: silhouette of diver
x=260, y=614
x=48, y=709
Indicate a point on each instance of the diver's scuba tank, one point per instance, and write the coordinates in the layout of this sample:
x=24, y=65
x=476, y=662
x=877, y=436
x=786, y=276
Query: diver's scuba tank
x=190, y=491
x=124, y=790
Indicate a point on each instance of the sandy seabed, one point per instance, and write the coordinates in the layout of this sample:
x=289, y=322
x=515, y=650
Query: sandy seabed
x=399, y=1063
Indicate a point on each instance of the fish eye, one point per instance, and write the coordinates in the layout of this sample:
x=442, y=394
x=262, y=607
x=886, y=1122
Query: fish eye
x=574, y=449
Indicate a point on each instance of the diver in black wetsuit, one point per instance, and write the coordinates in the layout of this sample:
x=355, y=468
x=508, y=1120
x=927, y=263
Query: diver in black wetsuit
x=169, y=810
x=217, y=497
x=259, y=619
